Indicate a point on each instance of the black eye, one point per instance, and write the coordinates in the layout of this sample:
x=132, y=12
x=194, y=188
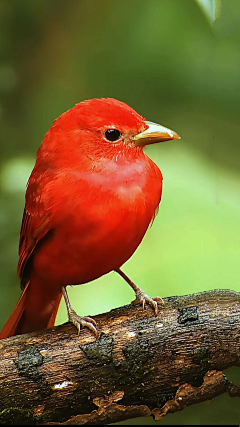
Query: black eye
x=112, y=134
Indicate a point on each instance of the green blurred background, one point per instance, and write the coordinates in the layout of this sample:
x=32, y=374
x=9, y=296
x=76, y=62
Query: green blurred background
x=177, y=65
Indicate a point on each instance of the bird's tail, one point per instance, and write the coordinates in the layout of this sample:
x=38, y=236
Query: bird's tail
x=34, y=311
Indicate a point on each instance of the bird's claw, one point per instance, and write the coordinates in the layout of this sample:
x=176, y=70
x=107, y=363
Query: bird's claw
x=81, y=321
x=142, y=298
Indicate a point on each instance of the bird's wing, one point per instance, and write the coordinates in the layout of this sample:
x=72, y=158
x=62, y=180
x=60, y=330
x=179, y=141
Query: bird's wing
x=37, y=220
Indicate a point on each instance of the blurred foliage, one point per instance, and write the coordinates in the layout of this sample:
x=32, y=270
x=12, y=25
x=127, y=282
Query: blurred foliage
x=175, y=66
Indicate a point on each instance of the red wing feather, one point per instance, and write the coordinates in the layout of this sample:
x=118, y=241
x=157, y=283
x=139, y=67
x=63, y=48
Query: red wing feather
x=36, y=220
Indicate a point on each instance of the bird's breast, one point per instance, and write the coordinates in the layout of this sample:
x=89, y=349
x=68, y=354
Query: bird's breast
x=102, y=218
x=116, y=202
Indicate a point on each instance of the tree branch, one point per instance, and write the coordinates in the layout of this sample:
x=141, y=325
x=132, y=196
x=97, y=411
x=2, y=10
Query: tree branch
x=141, y=364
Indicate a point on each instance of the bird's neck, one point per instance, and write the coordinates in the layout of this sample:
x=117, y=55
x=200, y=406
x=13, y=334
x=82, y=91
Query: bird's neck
x=121, y=175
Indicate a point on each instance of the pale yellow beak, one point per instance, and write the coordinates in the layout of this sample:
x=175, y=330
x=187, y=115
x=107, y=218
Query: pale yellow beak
x=155, y=133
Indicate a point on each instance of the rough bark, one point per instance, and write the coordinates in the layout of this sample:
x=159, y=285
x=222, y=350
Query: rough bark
x=140, y=365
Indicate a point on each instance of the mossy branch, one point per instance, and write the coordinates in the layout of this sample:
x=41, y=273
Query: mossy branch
x=141, y=364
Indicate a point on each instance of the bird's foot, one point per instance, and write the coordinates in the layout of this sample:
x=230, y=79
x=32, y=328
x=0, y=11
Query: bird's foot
x=81, y=321
x=142, y=298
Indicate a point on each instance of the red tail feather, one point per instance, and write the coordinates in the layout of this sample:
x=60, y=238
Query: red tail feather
x=28, y=317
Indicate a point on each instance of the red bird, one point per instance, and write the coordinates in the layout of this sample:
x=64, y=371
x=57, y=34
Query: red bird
x=90, y=198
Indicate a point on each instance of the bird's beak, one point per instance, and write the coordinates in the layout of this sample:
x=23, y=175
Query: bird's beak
x=154, y=133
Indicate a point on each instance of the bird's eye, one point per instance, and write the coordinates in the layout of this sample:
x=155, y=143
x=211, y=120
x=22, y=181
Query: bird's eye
x=112, y=135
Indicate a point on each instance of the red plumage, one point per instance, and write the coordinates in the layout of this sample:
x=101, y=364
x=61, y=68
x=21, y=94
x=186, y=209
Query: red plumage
x=89, y=202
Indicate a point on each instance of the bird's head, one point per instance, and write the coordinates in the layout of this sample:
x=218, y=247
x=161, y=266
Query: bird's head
x=104, y=127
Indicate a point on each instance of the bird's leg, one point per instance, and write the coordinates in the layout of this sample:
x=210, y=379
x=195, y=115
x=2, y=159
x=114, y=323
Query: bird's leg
x=141, y=297
x=78, y=321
